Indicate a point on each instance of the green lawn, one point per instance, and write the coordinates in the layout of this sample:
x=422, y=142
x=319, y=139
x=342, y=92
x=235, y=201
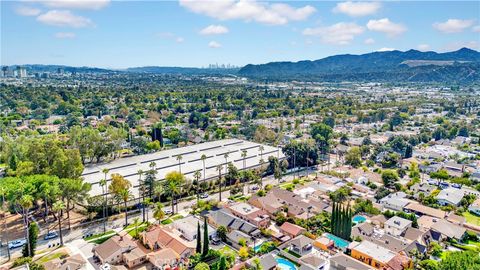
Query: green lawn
x=471, y=218
x=227, y=250
x=100, y=235
x=51, y=256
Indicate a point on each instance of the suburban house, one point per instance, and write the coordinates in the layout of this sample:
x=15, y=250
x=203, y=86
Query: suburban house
x=396, y=225
x=291, y=230
x=75, y=262
x=340, y=261
x=250, y=213
x=396, y=201
x=158, y=237
x=112, y=250
x=379, y=257
x=448, y=230
x=475, y=207
x=300, y=245
x=420, y=209
x=223, y=217
x=187, y=226
x=450, y=196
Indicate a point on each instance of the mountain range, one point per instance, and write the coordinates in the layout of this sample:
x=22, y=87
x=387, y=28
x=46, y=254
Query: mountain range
x=462, y=66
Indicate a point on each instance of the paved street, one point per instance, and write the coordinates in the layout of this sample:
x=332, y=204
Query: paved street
x=73, y=238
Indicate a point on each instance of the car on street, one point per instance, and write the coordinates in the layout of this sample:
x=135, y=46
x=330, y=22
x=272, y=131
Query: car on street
x=167, y=211
x=203, y=195
x=17, y=243
x=50, y=235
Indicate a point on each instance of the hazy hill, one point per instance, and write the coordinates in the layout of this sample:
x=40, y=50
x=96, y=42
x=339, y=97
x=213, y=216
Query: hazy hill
x=458, y=66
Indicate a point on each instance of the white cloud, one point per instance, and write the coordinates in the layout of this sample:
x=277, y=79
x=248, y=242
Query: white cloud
x=64, y=18
x=170, y=36
x=453, y=25
x=339, y=34
x=214, y=30
x=386, y=26
x=27, y=11
x=476, y=29
x=214, y=44
x=74, y=4
x=423, y=47
x=249, y=10
x=65, y=35
x=386, y=49
x=357, y=9
x=369, y=41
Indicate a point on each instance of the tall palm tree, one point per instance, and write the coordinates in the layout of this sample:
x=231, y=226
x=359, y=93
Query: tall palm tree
x=125, y=195
x=158, y=213
x=174, y=180
x=179, y=159
x=203, y=158
x=25, y=203
x=219, y=169
x=58, y=207
x=197, y=176
x=261, y=172
x=142, y=193
x=226, y=167
x=244, y=156
x=103, y=184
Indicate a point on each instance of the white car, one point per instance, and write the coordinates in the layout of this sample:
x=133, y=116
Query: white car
x=168, y=211
x=17, y=243
x=105, y=267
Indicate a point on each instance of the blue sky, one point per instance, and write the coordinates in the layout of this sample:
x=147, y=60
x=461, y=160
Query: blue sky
x=116, y=34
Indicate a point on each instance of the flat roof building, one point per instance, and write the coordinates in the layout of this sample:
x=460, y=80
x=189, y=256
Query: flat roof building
x=167, y=161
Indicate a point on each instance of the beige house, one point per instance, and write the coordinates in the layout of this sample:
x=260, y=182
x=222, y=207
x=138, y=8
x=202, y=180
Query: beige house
x=111, y=251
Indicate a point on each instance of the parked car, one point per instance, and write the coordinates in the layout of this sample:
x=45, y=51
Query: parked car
x=168, y=211
x=203, y=195
x=105, y=267
x=17, y=243
x=255, y=188
x=50, y=235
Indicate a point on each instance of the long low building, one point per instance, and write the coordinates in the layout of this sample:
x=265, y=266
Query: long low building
x=167, y=161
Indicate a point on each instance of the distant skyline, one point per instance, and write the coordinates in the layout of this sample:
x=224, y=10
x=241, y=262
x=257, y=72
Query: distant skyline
x=120, y=34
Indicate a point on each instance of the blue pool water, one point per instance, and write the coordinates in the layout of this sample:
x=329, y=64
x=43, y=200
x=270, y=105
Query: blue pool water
x=359, y=219
x=257, y=247
x=338, y=242
x=285, y=264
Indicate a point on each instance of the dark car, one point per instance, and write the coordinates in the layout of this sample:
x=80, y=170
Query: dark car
x=50, y=235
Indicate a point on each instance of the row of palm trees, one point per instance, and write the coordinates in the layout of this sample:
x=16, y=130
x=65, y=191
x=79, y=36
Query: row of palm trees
x=172, y=186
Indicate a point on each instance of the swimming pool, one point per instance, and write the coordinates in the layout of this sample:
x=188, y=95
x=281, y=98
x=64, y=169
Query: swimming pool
x=285, y=264
x=257, y=247
x=359, y=219
x=337, y=241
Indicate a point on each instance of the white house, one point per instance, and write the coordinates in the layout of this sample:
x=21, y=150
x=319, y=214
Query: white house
x=396, y=226
x=475, y=207
x=450, y=196
x=188, y=227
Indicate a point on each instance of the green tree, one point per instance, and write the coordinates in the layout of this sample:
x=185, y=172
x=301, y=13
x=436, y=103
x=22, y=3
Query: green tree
x=58, y=207
x=202, y=266
x=205, y=238
x=158, y=212
x=461, y=260
x=222, y=232
x=389, y=177
x=354, y=157
x=198, y=248
x=173, y=182
x=73, y=191
x=29, y=251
